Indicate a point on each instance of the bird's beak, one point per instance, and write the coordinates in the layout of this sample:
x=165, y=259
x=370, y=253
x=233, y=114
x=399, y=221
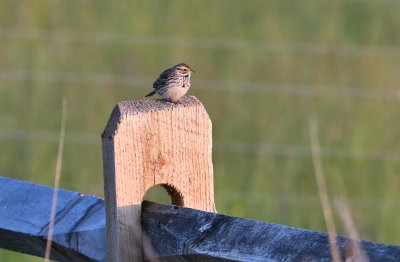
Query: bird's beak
x=192, y=71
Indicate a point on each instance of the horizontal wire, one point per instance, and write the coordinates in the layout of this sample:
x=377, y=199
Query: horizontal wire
x=215, y=85
x=218, y=146
x=279, y=199
x=73, y=77
x=48, y=136
x=106, y=38
x=305, y=151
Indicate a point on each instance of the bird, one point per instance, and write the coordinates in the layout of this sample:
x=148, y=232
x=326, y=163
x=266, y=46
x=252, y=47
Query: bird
x=173, y=83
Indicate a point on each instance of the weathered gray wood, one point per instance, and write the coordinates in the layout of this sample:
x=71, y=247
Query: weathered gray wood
x=192, y=234
x=171, y=233
x=79, y=229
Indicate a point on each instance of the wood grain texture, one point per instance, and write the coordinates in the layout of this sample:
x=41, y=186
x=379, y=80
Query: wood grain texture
x=147, y=143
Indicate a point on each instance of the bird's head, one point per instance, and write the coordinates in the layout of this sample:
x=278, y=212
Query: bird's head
x=184, y=69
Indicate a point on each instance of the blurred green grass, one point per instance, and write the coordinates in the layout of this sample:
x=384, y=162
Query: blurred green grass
x=263, y=68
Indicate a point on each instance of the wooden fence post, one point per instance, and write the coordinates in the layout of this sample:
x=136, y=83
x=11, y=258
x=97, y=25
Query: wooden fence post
x=147, y=143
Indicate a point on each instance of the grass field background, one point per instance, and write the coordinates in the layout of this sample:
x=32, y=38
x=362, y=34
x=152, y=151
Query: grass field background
x=263, y=68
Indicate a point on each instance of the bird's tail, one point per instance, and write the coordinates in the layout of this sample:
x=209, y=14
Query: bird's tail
x=151, y=93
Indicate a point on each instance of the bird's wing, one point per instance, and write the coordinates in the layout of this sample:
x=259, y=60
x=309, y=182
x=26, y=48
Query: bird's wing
x=161, y=80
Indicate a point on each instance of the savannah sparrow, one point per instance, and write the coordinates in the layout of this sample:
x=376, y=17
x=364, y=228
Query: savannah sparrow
x=173, y=83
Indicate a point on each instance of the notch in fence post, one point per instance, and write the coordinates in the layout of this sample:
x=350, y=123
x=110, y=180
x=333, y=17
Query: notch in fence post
x=147, y=143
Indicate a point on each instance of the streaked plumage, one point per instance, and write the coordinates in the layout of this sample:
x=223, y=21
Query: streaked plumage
x=173, y=83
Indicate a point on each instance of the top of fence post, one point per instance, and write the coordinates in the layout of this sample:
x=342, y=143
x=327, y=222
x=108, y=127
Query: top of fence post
x=151, y=142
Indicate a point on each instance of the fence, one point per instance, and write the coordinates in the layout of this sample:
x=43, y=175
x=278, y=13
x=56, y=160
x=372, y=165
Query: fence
x=146, y=143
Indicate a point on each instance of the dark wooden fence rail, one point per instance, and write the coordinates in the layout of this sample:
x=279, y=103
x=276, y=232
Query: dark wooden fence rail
x=147, y=143
x=79, y=231
x=171, y=233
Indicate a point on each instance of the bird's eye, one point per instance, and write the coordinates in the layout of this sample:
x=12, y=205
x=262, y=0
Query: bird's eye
x=185, y=69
